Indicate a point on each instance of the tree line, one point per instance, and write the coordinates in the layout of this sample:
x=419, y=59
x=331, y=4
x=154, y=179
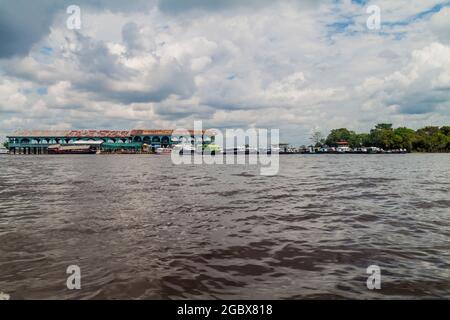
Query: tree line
x=427, y=139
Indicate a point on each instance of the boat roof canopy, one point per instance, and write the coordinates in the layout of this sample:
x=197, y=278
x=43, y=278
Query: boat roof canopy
x=90, y=142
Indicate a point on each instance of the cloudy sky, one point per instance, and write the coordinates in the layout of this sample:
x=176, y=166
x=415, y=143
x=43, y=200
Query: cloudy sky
x=295, y=65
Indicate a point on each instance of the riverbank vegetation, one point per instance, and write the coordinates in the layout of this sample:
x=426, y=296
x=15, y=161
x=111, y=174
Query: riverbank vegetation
x=427, y=139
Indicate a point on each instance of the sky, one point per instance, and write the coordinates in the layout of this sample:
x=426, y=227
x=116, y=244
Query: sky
x=297, y=66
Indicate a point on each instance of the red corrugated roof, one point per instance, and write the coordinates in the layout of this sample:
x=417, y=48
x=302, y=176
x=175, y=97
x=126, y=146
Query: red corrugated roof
x=162, y=132
x=41, y=133
x=149, y=132
x=97, y=133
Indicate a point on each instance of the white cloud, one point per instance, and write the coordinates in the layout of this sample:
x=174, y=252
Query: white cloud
x=277, y=65
x=440, y=24
x=421, y=87
x=12, y=99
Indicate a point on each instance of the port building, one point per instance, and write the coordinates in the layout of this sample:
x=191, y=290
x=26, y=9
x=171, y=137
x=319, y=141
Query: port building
x=134, y=141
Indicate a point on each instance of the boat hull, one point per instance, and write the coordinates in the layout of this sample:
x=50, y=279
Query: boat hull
x=72, y=151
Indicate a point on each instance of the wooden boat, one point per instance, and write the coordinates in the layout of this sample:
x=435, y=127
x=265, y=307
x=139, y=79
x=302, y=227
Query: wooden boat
x=77, y=149
x=163, y=150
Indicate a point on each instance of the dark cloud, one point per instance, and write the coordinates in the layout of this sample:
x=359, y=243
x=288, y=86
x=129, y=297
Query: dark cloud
x=420, y=104
x=22, y=23
x=235, y=63
x=25, y=22
x=130, y=36
x=179, y=6
x=101, y=68
x=176, y=6
x=93, y=57
x=159, y=93
x=174, y=112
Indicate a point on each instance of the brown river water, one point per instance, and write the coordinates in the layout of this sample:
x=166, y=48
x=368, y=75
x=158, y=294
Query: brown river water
x=140, y=227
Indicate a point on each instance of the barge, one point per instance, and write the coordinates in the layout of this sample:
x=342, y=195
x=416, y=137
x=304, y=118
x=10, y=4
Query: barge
x=75, y=149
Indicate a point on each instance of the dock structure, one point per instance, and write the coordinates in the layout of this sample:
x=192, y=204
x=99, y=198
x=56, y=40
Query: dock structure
x=134, y=141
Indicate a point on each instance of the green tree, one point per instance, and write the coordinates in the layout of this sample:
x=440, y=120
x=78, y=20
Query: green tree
x=404, y=138
x=337, y=135
x=357, y=140
x=431, y=139
x=6, y=144
x=384, y=126
x=382, y=136
x=428, y=131
x=445, y=130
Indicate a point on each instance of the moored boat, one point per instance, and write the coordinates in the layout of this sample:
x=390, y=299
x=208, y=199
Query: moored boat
x=184, y=148
x=163, y=150
x=75, y=149
x=212, y=149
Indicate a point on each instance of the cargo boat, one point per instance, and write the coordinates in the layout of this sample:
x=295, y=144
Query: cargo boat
x=77, y=149
x=163, y=150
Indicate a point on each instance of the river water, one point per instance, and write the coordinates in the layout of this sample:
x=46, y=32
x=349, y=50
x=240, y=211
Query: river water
x=140, y=227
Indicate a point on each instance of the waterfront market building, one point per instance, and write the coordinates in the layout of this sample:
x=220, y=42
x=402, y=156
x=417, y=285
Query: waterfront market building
x=135, y=141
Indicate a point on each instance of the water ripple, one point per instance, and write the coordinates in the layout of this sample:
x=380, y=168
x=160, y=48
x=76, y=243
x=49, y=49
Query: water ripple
x=142, y=228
